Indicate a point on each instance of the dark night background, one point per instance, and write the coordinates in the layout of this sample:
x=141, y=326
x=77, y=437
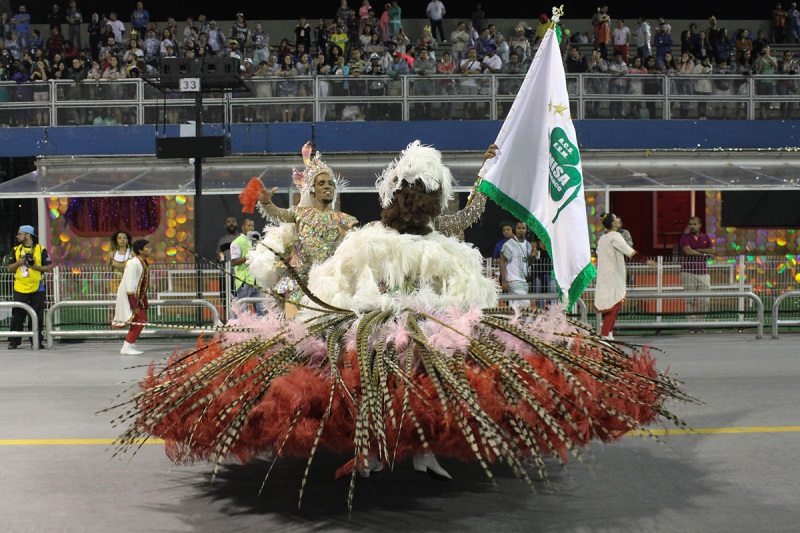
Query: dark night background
x=260, y=11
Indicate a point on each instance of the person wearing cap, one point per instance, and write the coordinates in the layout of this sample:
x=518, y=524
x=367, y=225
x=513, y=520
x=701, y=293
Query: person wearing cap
x=244, y=282
x=132, y=301
x=240, y=32
x=31, y=262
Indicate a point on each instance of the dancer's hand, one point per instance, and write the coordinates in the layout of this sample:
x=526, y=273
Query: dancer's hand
x=344, y=228
x=490, y=152
x=265, y=196
x=306, y=151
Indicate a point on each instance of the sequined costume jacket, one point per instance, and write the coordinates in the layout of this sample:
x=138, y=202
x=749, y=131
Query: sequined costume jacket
x=316, y=239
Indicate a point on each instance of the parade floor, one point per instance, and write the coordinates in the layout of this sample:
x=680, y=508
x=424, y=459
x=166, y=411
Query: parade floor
x=736, y=471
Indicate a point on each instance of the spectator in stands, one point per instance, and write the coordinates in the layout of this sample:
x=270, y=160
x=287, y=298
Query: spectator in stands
x=702, y=47
x=618, y=85
x=684, y=67
x=622, y=38
x=712, y=32
x=663, y=44
x=375, y=45
x=703, y=85
x=401, y=41
x=635, y=86
x=240, y=32
x=501, y=45
x=491, y=63
x=35, y=40
x=436, y=12
x=302, y=33
x=395, y=18
x=469, y=68
x=722, y=87
x=696, y=247
x=759, y=42
x=216, y=38
x=766, y=66
x=428, y=41
x=20, y=23
x=339, y=39
x=384, y=22
x=152, y=47
x=446, y=67
x=55, y=18
x=95, y=31
x=778, y=26
x=367, y=37
x=787, y=66
x=55, y=44
x=483, y=42
x=167, y=40
x=643, y=38
x=596, y=85
x=74, y=21
x=517, y=68
x=602, y=30
x=723, y=48
x=424, y=66
x=793, y=24
x=140, y=18
x=478, y=18
x=742, y=43
x=374, y=23
x=117, y=26
x=14, y=46
x=519, y=43
x=321, y=37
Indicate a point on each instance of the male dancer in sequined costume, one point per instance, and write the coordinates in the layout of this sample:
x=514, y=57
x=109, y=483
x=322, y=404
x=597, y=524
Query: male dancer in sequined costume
x=319, y=228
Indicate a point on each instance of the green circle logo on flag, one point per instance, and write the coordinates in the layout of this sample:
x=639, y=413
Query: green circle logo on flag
x=564, y=172
x=564, y=158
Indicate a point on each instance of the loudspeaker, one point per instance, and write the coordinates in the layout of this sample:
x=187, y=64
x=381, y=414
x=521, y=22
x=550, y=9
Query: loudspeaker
x=197, y=147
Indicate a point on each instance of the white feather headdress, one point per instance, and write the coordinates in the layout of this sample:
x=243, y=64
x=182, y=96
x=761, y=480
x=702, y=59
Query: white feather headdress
x=417, y=163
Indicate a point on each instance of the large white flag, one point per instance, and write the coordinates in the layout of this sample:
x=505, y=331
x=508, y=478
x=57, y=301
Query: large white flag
x=537, y=173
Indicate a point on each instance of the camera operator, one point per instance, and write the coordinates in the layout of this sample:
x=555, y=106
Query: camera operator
x=31, y=261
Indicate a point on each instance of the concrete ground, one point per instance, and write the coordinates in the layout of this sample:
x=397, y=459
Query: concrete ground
x=736, y=472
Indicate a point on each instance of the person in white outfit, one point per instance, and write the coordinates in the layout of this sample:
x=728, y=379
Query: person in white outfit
x=132, y=301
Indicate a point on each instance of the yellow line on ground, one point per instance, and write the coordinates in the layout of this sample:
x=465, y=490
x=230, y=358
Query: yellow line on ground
x=660, y=432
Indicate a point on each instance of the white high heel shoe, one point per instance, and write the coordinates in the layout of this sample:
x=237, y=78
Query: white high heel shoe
x=372, y=465
x=428, y=463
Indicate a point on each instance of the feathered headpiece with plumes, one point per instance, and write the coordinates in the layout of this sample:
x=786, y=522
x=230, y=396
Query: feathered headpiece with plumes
x=417, y=163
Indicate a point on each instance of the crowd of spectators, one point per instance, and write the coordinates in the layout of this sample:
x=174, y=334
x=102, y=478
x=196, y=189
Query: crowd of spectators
x=366, y=41
x=697, y=52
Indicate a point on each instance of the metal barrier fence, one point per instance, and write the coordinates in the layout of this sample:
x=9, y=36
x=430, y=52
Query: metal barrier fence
x=53, y=331
x=412, y=97
x=776, y=320
x=656, y=297
x=33, y=333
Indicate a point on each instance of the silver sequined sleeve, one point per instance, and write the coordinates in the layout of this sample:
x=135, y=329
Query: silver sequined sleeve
x=277, y=214
x=452, y=225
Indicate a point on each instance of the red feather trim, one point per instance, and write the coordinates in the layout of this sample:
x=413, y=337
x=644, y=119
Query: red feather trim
x=249, y=196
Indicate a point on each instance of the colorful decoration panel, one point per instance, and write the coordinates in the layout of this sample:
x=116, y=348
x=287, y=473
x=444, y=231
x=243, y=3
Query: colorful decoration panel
x=171, y=233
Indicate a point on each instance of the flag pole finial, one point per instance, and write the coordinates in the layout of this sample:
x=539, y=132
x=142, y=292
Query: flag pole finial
x=558, y=12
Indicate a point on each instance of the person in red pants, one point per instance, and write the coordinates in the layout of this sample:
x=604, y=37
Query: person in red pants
x=132, y=296
x=611, y=287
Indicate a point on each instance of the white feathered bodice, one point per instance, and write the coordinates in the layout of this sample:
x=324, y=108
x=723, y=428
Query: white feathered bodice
x=376, y=267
